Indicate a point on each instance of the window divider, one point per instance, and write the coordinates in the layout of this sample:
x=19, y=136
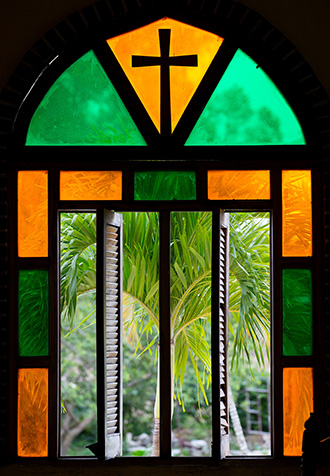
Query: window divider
x=165, y=335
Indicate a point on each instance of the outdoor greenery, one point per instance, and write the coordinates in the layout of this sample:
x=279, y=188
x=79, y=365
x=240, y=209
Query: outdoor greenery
x=249, y=322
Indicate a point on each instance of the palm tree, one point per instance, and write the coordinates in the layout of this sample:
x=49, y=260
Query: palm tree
x=190, y=287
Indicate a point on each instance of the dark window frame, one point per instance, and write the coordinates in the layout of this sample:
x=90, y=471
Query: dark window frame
x=34, y=156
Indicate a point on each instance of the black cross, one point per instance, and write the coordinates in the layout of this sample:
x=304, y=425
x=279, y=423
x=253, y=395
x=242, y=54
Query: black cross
x=164, y=61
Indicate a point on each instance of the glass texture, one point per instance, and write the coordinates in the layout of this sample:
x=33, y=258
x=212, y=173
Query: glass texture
x=246, y=108
x=83, y=185
x=190, y=277
x=164, y=185
x=83, y=108
x=238, y=184
x=32, y=213
x=297, y=213
x=297, y=406
x=32, y=416
x=33, y=312
x=185, y=40
x=297, y=312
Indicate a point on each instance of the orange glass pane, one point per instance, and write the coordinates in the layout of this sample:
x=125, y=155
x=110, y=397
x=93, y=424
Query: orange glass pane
x=297, y=213
x=238, y=184
x=32, y=213
x=297, y=406
x=84, y=185
x=185, y=40
x=32, y=417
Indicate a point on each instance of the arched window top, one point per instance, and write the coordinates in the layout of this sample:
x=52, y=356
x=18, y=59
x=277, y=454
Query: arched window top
x=178, y=80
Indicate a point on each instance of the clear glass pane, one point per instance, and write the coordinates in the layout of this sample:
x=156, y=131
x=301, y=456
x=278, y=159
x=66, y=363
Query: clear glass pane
x=191, y=245
x=246, y=108
x=83, y=108
x=78, y=333
x=86, y=185
x=297, y=406
x=164, y=185
x=297, y=212
x=32, y=414
x=238, y=184
x=249, y=334
x=32, y=189
x=33, y=312
x=297, y=312
x=141, y=418
x=184, y=80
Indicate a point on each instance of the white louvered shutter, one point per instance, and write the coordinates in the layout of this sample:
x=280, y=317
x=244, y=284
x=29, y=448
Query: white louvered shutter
x=223, y=332
x=110, y=302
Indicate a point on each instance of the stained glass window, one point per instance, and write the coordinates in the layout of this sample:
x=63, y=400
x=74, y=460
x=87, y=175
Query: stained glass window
x=83, y=108
x=32, y=213
x=297, y=212
x=91, y=185
x=238, y=184
x=165, y=185
x=166, y=64
x=297, y=406
x=32, y=429
x=185, y=73
x=33, y=312
x=246, y=108
x=297, y=312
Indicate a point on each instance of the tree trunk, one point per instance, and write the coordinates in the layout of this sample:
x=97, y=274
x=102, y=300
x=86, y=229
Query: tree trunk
x=156, y=438
x=237, y=424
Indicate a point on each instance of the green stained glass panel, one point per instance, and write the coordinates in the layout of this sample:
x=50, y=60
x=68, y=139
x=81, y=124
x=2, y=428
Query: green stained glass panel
x=246, y=108
x=33, y=312
x=83, y=108
x=297, y=312
x=165, y=185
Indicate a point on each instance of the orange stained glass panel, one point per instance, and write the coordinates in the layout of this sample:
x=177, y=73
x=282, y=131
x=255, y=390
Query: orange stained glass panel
x=185, y=40
x=32, y=188
x=32, y=418
x=238, y=184
x=297, y=406
x=86, y=185
x=297, y=213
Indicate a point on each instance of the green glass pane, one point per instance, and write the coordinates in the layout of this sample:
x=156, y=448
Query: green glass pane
x=246, y=108
x=164, y=185
x=33, y=312
x=297, y=312
x=83, y=108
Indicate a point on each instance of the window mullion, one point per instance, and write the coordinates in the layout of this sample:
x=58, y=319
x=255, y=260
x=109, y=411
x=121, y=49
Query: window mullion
x=165, y=335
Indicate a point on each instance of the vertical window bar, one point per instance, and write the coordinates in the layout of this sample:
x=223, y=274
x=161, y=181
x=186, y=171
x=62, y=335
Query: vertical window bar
x=165, y=335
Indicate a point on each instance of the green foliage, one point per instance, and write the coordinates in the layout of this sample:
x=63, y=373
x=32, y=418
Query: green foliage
x=78, y=383
x=249, y=288
x=190, y=300
x=78, y=260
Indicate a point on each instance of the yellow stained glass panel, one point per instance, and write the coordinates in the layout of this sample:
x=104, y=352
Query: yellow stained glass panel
x=86, y=185
x=184, y=80
x=297, y=406
x=32, y=417
x=238, y=184
x=32, y=188
x=297, y=213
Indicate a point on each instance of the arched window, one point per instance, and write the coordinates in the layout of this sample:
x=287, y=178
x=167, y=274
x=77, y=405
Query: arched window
x=169, y=118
